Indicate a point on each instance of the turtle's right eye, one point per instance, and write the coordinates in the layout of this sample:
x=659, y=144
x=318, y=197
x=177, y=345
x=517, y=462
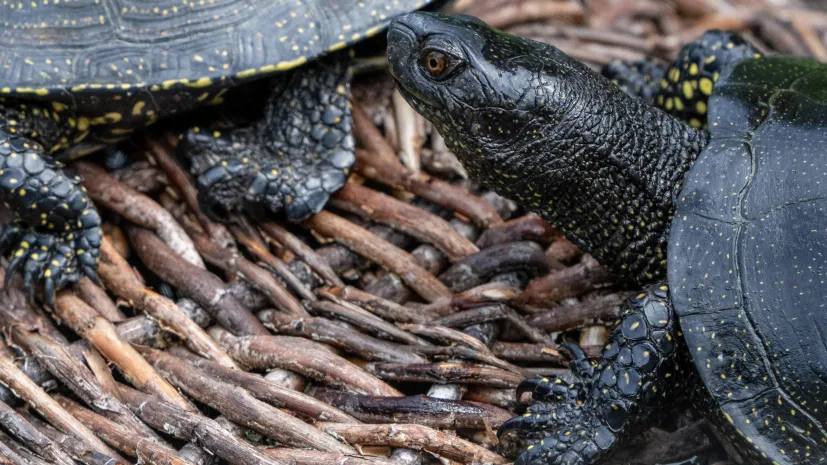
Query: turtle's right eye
x=436, y=63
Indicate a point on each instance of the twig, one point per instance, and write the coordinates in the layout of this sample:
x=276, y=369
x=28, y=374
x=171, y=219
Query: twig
x=473, y=270
x=376, y=250
x=239, y=406
x=303, y=251
x=201, y=285
x=104, y=337
x=30, y=437
x=421, y=410
x=441, y=373
x=325, y=331
x=524, y=228
x=414, y=437
x=190, y=426
x=123, y=438
x=305, y=357
x=569, y=282
x=419, y=223
x=365, y=321
x=106, y=191
x=378, y=306
x=266, y=390
x=35, y=396
x=121, y=280
x=96, y=297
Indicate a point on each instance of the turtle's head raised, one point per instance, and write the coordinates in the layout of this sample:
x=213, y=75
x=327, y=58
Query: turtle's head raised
x=478, y=85
x=543, y=129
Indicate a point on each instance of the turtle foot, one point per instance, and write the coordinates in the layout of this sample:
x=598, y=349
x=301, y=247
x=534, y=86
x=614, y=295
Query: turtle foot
x=49, y=261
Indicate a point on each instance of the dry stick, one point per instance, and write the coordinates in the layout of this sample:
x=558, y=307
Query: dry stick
x=444, y=373
x=260, y=251
x=420, y=410
x=380, y=307
x=239, y=406
x=189, y=426
x=11, y=454
x=315, y=457
x=123, y=438
x=523, y=352
x=366, y=321
x=202, y=286
x=414, y=437
x=524, y=228
x=421, y=224
x=378, y=251
x=34, y=395
x=78, y=450
x=304, y=357
x=96, y=297
x=183, y=182
x=104, y=337
x=122, y=281
x=505, y=13
x=587, y=312
x=266, y=390
x=477, y=269
x=231, y=261
x=325, y=331
x=379, y=163
x=301, y=250
x=466, y=353
x=445, y=335
x=568, y=282
x=29, y=436
x=138, y=208
x=57, y=360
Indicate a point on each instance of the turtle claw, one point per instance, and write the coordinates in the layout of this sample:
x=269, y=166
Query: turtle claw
x=51, y=262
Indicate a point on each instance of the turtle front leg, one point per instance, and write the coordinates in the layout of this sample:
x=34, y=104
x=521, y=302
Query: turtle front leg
x=56, y=232
x=292, y=158
x=639, y=78
x=578, y=419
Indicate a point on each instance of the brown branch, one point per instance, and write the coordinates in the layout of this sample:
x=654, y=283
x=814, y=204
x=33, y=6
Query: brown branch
x=103, y=336
x=379, y=163
x=31, y=437
x=123, y=438
x=35, y=396
x=421, y=410
x=202, y=286
x=57, y=360
x=363, y=242
x=239, y=406
x=121, y=280
x=246, y=236
x=477, y=269
x=96, y=297
x=524, y=228
x=414, y=437
x=107, y=192
x=324, y=331
x=573, y=281
x=266, y=390
x=366, y=321
x=419, y=223
x=378, y=306
x=304, y=357
x=314, y=457
x=303, y=251
x=231, y=261
x=524, y=352
x=183, y=182
x=441, y=373
x=445, y=335
x=190, y=426
x=564, y=318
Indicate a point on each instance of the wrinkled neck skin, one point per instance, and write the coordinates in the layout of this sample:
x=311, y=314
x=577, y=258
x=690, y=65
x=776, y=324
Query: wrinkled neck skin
x=602, y=167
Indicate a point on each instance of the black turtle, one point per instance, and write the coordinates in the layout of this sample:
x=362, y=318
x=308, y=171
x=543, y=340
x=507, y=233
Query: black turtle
x=79, y=74
x=733, y=218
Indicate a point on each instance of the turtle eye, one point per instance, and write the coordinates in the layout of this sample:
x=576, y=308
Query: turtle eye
x=436, y=63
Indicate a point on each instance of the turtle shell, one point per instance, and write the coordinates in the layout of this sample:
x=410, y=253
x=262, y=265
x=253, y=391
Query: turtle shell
x=747, y=258
x=70, y=46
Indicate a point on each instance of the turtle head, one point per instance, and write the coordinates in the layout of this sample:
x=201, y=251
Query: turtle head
x=543, y=129
x=480, y=86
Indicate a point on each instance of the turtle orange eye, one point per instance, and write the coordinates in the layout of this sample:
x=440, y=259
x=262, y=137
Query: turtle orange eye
x=436, y=63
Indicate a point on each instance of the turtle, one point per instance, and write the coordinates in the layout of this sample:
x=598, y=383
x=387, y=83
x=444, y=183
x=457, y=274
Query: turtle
x=77, y=75
x=721, y=222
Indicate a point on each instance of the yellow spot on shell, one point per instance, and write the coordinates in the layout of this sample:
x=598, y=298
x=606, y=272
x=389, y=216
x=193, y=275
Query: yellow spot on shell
x=138, y=108
x=705, y=84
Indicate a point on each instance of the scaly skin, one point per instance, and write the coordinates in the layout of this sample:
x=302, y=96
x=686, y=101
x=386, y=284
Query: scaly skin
x=602, y=166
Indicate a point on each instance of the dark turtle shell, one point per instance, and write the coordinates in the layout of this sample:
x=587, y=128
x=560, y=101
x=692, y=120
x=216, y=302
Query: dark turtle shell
x=67, y=46
x=747, y=257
